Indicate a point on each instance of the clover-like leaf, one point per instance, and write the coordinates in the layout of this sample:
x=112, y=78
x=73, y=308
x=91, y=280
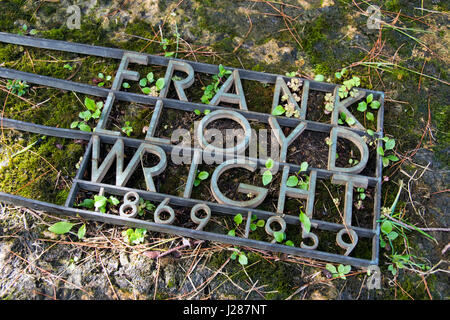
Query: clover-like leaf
x=203, y=175
x=331, y=268
x=238, y=219
x=292, y=181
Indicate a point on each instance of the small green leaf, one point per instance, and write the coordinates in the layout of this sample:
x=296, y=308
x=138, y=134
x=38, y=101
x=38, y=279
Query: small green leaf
x=393, y=157
x=73, y=125
x=203, y=175
x=269, y=163
x=100, y=201
x=85, y=115
x=253, y=227
x=146, y=90
x=113, y=200
x=207, y=111
x=303, y=166
x=169, y=54
x=150, y=77
x=197, y=112
x=33, y=32
x=346, y=269
x=292, y=181
x=260, y=223
x=61, y=227
x=369, y=116
x=81, y=232
x=238, y=219
x=385, y=161
x=390, y=144
x=331, y=268
x=126, y=85
x=243, y=259
x=338, y=75
x=279, y=236
x=375, y=104
x=84, y=127
x=160, y=83
x=90, y=104
x=143, y=82
x=234, y=255
x=290, y=243
x=386, y=227
x=362, y=106
x=232, y=233
x=350, y=121
x=267, y=177
x=370, y=132
x=87, y=203
x=306, y=223
x=197, y=182
x=369, y=98
x=101, y=75
x=392, y=236
x=380, y=151
x=278, y=111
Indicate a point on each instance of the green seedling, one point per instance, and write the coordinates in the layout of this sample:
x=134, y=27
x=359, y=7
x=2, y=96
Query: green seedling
x=94, y=110
x=340, y=272
x=105, y=79
x=344, y=119
x=17, y=86
x=389, y=145
x=280, y=237
x=127, y=129
x=267, y=175
x=243, y=260
x=237, y=220
x=374, y=104
x=255, y=224
x=99, y=202
x=199, y=113
x=135, y=236
x=210, y=90
x=64, y=227
x=201, y=175
x=302, y=183
x=145, y=205
x=348, y=87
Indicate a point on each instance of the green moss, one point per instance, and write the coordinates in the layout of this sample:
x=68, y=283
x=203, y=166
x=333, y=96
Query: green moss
x=40, y=173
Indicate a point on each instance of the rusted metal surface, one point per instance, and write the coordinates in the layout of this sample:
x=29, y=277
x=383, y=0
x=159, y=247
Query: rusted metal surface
x=162, y=148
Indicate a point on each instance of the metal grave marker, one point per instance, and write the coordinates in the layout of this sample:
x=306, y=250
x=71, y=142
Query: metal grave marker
x=96, y=164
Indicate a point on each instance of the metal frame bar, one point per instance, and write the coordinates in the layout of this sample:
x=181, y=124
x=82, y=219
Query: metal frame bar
x=79, y=183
